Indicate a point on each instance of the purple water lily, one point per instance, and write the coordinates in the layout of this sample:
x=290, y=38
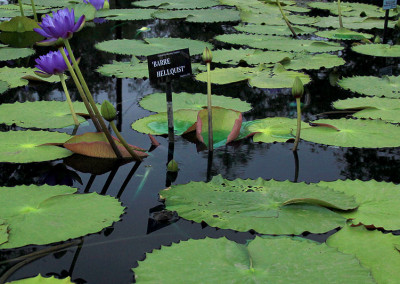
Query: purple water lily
x=51, y=64
x=98, y=4
x=60, y=25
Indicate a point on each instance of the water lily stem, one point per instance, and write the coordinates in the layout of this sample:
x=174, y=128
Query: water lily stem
x=123, y=141
x=20, y=8
x=296, y=142
x=96, y=118
x=62, y=79
x=34, y=11
x=209, y=108
x=286, y=19
x=340, y=14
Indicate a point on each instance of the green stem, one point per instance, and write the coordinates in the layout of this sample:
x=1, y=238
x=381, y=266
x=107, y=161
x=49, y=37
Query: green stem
x=123, y=141
x=340, y=14
x=62, y=79
x=209, y=108
x=286, y=19
x=20, y=8
x=34, y=11
x=296, y=142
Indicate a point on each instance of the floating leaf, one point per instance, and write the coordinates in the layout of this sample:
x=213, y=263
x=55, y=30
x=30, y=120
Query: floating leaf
x=274, y=30
x=378, y=206
x=226, y=124
x=151, y=46
x=49, y=3
x=200, y=16
x=95, y=144
x=354, y=23
x=156, y=102
x=388, y=86
x=19, y=24
x=279, y=43
x=3, y=87
x=157, y=124
x=258, y=205
x=375, y=108
x=354, y=133
x=27, y=146
x=42, y=280
x=308, y=61
x=377, y=49
x=125, y=14
x=9, y=53
x=47, y=214
x=343, y=34
x=250, y=56
x=176, y=4
x=81, y=9
x=262, y=260
x=125, y=70
x=375, y=250
x=41, y=114
x=3, y=231
x=20, y=40
x=16, y=77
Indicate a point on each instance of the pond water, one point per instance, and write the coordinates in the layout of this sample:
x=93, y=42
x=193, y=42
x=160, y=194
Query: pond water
x=107, y=257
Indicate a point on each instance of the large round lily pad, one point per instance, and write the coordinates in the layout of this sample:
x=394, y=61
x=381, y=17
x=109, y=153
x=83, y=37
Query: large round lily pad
x=274, y=30
x=176, y=4
x=18, y=76
x=43, y=280
x=9, y=53
x=343, y=34
x=125, y=14
x=124, y=70
x=157, y=102
x=354, y=23
x=387, y=86
x=353, y=133
x=45, y=214
x=250, y=56
x=268, y=207
x=27, y=146
x=308, y=61
x=376, y=49
x=200, y=16
x=262, y=260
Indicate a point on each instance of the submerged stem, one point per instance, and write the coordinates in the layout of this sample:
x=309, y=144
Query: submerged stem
x=21, y=9
x=123, y=141
x=286, y=19
x=34, y=11
x=62, y=79
x=296, y=142
x=209, y=108
x=340, y=14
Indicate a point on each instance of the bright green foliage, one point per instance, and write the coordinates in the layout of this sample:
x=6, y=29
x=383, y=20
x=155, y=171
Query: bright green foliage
x=250, y=56
x=307, y=61
x=83, y=9
x=17, y=77
x=377, y=49
x=301, y=20
x=354, y=133
x=262, y=260
x=200, y=16
x=343, y=34
x=125, y=14
x=268, y=207
x=18, y=24
x=26, y=146
x=274, y=30
x=378, y=202
x=387, y=86
x=3, y=87
x=279, y=43
x=42, y=280
x=157, y=124
x=376, y=251
x=375, y=108
x=3, y=231
x=354, y=23
x=10, y=53
x=176, y=4
x=151, y=46
x=50, y=3
x=47, y=214
x=156, y=102
x=124, y=70
x=277, y=77
x=41, y=114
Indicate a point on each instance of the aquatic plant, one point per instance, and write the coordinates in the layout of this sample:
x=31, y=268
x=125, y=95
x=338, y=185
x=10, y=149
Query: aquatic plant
x=297, y=92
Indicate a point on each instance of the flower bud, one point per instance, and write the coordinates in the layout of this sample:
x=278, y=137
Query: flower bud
x=207, y=55
x=298, y=88
x=108, y=111
x=106, y=4
x=172, y=166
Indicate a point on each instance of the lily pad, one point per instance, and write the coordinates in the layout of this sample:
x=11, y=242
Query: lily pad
x=343, y=34
x=224, y=261
x=157, y=102
x=3, y=231
x=42, y=280
x=354, y=23
x=157, y=124
x=375, y=108
x=125, y=70
x=280, y=43
x=307, y=61
x=28, y=146
x=18, y=24
x=176, y=4
x=20, y=40
x=377, y=49
x=151, y=46
x=17, y=77
x=377, y=202
x=55, y=212
x=354, y=133
x=95, y=144
x=274, y=30
x=10, y=53
x=125, y=14
x=250, y=56
x=200, y=16
x=268, y=207
x=41, y=114
x=387, y=86
x=376, y=251
x=3, y=87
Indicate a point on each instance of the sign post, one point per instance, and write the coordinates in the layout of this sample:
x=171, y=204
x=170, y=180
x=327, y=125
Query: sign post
x=387, y=5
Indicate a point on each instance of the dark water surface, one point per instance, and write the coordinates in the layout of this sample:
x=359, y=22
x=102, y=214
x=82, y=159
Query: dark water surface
x=107, y=257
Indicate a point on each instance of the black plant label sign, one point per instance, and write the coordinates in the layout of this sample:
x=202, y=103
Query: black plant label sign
x=169, y=65
x=389, y=4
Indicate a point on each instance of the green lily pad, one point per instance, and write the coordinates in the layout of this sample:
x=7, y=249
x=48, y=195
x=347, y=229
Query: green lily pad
x=274, y=30
x=224, y=261
x=375, y=108
x=27, y=146
x=226, y=124
x=55, y=212
x=20, y=40
x=151, y=46
x=376, y=49
x=200, y=16
x=18, y=77
x=125, y=14
x=280, y=43
x=387, y=86
x=307, y=61
x=81, y=9
x=157, y=102
x=41, y=114
x=176, y=4
x=3, y=87
x=354, y=133
x=378, y=207
x=19, y=24
x=3, y=231
x=42, y=280
x=50, y=3
x=124, y=70
x=376, y=251
x=250, y=56
x=268, y=207
x=157, y=124
x=277, y=77
x=10, y=53
x=343, y=34
x=354, y=23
